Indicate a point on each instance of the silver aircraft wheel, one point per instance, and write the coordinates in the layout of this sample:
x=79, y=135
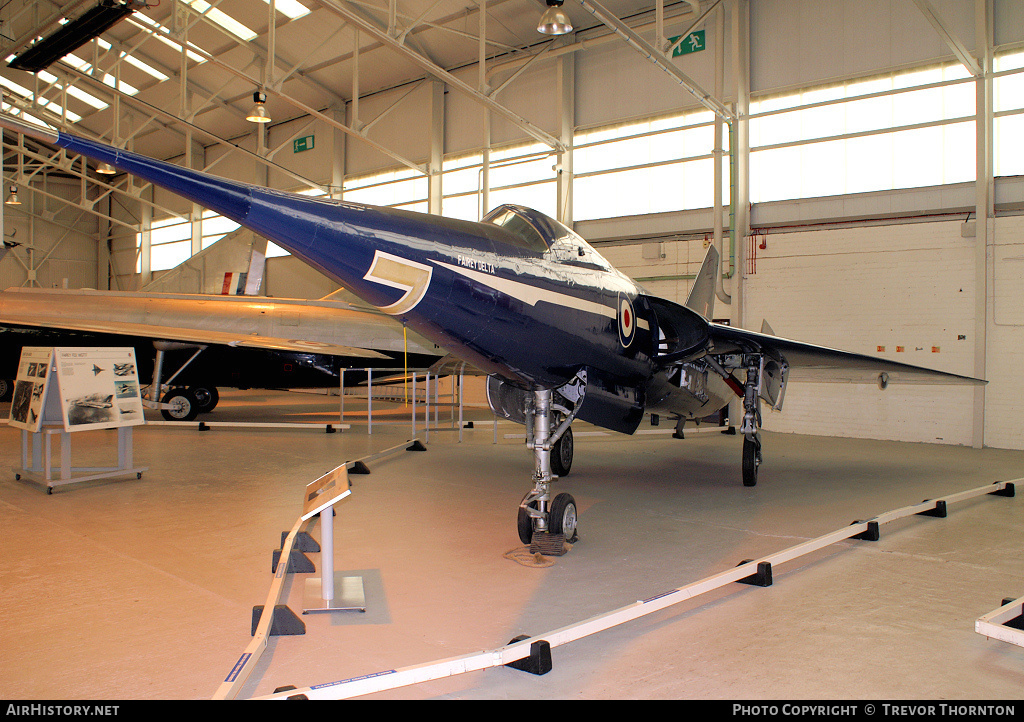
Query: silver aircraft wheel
x=562, y=517
x=184, y=406
x=524, y=522
x=561, y=454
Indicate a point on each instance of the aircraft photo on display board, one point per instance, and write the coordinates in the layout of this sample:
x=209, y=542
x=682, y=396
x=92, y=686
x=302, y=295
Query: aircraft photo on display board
x=30, y=388
x=99, y=387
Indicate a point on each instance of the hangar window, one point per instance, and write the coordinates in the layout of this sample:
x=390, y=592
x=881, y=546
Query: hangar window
x=1008, y=107
x=659, y=165
x=403, y=188
x=520, y=174
x=903, y=130
x=170, y=241
x=906, y=130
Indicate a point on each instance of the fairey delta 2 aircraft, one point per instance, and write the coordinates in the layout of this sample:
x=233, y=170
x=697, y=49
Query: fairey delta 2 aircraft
x=560, y=333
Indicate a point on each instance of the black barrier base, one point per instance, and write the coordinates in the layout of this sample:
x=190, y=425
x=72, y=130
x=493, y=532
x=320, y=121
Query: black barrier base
x=285, y=622
x=539, y=661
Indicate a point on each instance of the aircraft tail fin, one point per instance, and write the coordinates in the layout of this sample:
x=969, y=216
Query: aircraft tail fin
x=233, y=266
x=702, y=293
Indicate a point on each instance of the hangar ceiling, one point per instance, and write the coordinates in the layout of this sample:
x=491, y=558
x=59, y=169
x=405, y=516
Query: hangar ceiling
x=179, y=65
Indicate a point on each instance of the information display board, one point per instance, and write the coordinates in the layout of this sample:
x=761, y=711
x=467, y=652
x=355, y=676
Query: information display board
x=30, y=388
x=83, y=388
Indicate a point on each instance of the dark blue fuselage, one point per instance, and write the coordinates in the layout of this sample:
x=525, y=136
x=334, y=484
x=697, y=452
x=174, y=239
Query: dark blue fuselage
x=518, y=295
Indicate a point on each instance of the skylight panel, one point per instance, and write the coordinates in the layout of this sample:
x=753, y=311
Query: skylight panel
x=107, y=79
x=74, y=92
x=222, y=19
x=132, y=60
x=153, y=25
x=144, y=67
x=291, y=8
x=53, y=107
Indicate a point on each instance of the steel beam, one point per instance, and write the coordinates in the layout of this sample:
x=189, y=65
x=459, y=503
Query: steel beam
x=297, y=104
x=353, y=18
x=657, y=57
x=950, y=39
x=984, y=204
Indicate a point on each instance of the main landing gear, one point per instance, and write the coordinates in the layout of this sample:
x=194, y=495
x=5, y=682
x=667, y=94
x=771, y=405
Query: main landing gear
x=766, y=379
x=543, y=522
x=751, y=425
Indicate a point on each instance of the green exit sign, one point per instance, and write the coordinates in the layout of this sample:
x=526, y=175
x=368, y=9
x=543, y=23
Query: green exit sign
x=301, y=144
x=694, y=43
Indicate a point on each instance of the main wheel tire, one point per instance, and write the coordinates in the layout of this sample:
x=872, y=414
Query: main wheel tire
x=562, y=517
x=751, y=461
x=184, y=406
x=561, y=454
x=6, y=386
x=206, y=396
x=524, y=522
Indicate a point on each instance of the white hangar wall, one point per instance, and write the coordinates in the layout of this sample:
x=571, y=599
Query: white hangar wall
x=57, y=237
x=903, y=292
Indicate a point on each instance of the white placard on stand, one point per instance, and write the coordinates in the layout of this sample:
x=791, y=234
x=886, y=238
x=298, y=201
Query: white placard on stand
x=63, y=390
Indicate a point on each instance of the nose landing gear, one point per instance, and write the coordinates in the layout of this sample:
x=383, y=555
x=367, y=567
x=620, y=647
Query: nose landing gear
x=543, y=522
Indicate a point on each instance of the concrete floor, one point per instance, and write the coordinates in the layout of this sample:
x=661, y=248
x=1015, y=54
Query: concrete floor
x=144, y=589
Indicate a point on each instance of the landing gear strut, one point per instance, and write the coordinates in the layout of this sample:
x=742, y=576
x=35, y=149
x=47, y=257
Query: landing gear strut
x=751, y=421
x=543, y=522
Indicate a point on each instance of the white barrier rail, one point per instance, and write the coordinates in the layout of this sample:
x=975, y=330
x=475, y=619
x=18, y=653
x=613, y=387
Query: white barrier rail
x=534, y=647
x=241, y=670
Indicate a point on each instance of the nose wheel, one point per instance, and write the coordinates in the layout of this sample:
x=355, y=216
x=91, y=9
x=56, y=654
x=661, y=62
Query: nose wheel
x=562, y=517
x=545, y=522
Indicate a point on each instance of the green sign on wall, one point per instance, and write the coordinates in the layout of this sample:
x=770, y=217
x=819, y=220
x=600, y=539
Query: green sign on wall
x=694, y=43
x=301, y=144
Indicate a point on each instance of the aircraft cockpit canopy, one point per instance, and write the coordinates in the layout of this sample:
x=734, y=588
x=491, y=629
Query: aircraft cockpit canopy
x=542, y=234
x=517, y=221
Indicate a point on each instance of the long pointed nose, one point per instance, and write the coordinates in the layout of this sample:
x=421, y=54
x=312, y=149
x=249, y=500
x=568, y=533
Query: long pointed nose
x=350, y=235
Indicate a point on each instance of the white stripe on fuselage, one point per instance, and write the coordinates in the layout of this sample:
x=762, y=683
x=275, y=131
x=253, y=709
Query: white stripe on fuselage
x=532, y=294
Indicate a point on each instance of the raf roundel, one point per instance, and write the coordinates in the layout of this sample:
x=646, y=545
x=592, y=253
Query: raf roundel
x=627, y=321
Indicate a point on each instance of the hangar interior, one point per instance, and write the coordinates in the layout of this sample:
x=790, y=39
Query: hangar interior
x=857, y=166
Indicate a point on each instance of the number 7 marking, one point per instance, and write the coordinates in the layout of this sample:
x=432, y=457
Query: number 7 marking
x=405, y=275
